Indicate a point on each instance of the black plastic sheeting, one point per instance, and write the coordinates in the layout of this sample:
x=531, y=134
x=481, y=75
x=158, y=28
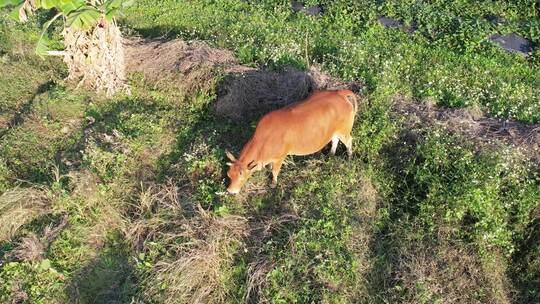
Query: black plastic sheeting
x=513, y=43
x=395, y=23
x=298, y=7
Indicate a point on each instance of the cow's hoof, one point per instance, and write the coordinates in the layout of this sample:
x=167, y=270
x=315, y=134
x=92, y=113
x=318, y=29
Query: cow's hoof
x=273, y=185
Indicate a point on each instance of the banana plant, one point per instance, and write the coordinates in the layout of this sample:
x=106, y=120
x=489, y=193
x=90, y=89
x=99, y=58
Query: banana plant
x=93, y=48
x=76, y=14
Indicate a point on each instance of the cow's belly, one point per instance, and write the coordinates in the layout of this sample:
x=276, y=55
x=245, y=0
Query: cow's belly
x=307, y=145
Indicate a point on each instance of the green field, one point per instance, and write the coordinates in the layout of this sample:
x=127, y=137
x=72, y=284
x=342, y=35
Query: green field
x=121, y=200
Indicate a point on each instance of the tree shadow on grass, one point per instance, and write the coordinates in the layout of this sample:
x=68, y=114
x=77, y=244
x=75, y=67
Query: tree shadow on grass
x=385, y=245
x=525, y=268
x=26, y=108
x=109, y=278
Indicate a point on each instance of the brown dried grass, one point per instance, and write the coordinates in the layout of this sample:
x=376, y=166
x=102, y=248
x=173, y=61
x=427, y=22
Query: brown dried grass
x=33, y=248
x=200, y=246
x=249, y=94
x=256, y=280
x=157, y=57
x=260, y=231
x=19, y=206
x=450, y=272
x=195, y=272
x=30, y=248
x=245, y=92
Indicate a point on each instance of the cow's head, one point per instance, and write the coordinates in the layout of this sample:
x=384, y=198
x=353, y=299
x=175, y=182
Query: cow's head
x=238, y=173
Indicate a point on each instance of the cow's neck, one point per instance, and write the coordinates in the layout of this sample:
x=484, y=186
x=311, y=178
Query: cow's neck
x=249, y=153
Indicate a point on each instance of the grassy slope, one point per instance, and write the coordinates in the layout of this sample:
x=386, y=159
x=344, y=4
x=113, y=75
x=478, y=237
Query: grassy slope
x=387, y=227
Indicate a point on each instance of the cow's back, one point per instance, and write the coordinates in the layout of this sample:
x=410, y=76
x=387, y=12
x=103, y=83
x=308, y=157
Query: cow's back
x=307, y=126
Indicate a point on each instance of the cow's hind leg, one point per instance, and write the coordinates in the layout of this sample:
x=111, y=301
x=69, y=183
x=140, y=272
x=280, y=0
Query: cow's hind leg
x=335, y=141
x=347, y=140
x=276, y=167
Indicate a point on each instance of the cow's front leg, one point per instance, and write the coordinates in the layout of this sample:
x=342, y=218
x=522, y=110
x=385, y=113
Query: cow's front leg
x=276, y=167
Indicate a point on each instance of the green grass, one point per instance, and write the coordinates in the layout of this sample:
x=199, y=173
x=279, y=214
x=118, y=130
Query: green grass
x=448, y=59
x=418, y=216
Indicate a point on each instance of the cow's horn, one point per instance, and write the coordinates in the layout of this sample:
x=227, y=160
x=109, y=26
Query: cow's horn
x=230, y=156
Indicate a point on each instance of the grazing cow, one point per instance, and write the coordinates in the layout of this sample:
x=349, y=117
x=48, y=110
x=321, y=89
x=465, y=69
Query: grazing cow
x=301, y=128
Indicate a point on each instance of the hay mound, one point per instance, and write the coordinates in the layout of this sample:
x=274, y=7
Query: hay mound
x=247, y=95
x=156, y=57
x=250, y=94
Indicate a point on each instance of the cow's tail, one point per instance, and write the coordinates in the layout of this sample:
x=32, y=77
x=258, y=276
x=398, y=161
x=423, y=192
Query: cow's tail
x=352, y=98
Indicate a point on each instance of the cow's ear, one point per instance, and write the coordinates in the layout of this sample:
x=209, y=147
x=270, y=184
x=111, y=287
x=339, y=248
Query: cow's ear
x=229, y=164
x=230, y=156
x=252, y=165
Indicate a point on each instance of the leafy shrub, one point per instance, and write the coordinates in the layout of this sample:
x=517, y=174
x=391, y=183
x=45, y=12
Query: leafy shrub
x=487, y=198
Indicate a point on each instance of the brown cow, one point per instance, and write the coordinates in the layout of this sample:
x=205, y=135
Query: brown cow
x=301, y=128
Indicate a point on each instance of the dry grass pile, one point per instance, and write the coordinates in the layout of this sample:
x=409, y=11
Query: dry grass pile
x=157, y=57
x=199, y=246
x=33, y=248
x=249, y=94
x=191, y=66
x=472, y=123
x=18, y=207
